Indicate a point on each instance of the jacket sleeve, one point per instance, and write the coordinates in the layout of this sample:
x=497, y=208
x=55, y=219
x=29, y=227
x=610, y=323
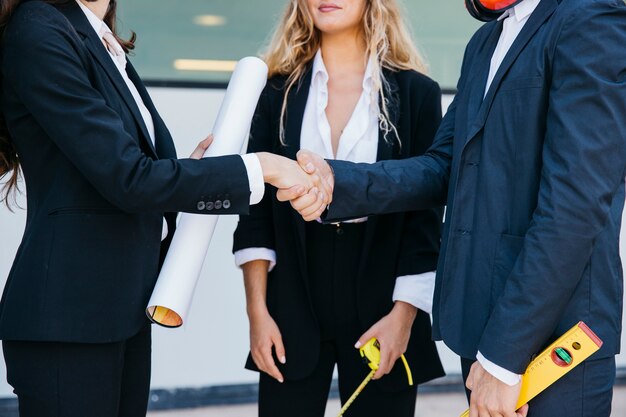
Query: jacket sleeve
x=42, y=64
x=394, y=185
x=584, y=163
x=422, y=228
x=256, y=230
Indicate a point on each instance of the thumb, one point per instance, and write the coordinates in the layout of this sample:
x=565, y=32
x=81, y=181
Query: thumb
x=523, y=411
x=305, y=160
x=203, y=145
x=288, y=194
x=366, y=337
x=208, y=141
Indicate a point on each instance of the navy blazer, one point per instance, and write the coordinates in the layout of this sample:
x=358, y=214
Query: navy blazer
x=97, y=189
x=533, y=177
x=394, y=245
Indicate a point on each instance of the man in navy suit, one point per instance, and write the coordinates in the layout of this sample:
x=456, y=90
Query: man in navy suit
x=530, y=160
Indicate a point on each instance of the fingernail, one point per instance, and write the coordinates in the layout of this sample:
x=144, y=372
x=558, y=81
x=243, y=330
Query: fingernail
x=283, y=360
x=310, y=167
x=280, y=380
x=321, y=196
x=357, y=345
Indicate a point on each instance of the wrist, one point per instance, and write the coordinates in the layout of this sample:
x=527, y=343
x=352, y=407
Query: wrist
x=268, y=166
x=256, y=308
x=500, y=373
x=405, y=310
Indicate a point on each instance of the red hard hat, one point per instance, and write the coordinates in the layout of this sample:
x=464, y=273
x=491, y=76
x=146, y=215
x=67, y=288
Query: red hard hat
x=487, y=10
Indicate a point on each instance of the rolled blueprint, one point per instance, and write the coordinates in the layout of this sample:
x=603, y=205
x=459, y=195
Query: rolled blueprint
x=173, y=292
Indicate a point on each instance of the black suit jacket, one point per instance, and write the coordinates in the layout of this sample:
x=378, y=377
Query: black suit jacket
x=533, y=175
x=97, y=188
x=394, y=245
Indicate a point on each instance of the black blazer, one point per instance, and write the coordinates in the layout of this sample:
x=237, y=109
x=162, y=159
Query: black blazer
x=533, y=175
x=394, y=245
x=97, y=188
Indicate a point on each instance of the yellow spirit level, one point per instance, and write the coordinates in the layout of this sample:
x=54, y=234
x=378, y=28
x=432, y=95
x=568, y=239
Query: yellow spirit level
x=370, y=352
x=568, y=351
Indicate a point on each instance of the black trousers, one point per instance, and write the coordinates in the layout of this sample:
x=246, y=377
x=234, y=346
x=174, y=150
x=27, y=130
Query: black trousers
x=585, y=391
x=333, y=259
x=81, y=380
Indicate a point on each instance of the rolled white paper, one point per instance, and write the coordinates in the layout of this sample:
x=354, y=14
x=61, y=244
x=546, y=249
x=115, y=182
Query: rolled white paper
x=173, y=292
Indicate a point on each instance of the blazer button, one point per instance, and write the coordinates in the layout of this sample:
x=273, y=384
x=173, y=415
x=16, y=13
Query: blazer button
x=201, y=205
x=218, y=204
x=226, y=204
x=209, y=205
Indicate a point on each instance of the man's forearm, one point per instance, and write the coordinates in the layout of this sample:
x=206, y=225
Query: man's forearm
x=388, y=186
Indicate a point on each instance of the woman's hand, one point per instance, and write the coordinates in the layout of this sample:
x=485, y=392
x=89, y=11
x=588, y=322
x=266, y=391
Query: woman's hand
x=309, y=205
x=284, y=173
x=264, y=334
x=198, y=153
x=393, y=332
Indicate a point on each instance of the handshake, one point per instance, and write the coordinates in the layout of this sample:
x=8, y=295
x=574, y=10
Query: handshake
x=307, y=184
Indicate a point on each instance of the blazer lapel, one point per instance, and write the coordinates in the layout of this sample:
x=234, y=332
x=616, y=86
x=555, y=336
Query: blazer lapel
x=386, y=147
x=543, y=11
x=480, y=75
x=95, y=46
x=296, y=104
x=163, y=143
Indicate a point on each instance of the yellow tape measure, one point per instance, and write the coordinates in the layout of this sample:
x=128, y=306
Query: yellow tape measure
x=567, y=352
x=370, y=352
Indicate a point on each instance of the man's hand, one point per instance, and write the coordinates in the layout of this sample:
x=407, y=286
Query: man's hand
x=294, y=182
x=198, y=153
x=309, y=205
x=393, y=332
x=492, y=397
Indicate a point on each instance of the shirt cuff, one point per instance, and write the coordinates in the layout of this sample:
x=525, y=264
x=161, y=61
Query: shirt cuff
x=255, y=254
x=164, y=230
x=255, y=177
x=504, y=375
x=417, y=290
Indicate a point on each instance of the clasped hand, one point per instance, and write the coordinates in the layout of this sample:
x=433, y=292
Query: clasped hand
x=491, y=397
x=307, y=184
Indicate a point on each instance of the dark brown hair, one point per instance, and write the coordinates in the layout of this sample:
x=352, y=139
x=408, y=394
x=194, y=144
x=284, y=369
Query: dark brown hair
x=9, y=160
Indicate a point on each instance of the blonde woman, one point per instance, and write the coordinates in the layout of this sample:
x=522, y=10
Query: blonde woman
x=347, y=83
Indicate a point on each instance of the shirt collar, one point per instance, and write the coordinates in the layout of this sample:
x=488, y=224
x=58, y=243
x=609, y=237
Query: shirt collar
x=319, y=70
x=98, y=25
x=521, y=11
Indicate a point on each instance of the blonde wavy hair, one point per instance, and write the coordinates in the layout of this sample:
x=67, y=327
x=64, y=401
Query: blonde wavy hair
x=388, y=42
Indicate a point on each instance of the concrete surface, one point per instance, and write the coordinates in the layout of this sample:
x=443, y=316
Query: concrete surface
x=428, y=405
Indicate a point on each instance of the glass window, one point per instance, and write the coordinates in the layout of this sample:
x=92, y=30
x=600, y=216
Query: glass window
x=199, y=40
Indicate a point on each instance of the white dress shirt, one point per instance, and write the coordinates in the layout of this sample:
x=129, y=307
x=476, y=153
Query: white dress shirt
x=358, y=143
x=118, y=56
x=514, y=20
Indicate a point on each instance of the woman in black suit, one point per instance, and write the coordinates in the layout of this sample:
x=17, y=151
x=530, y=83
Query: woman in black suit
x=101, y=173
x=345, y=82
